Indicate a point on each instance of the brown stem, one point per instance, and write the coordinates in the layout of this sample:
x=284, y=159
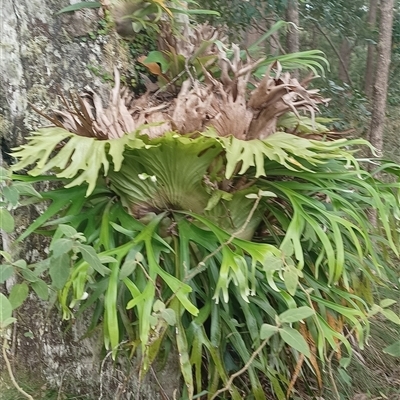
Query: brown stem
x=336, y=52
x=241, y=371
x=10, y=372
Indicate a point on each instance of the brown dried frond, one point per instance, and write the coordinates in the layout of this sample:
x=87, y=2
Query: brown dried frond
x=313, y=351
x=84, y=114
x=222, y=101
x=228, y=113
x=190, y=40
x=337, y=326
x=191, y=107
x=295, y=375
x=274, y=96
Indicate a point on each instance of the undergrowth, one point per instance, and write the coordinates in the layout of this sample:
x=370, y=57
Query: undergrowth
x=35, y=386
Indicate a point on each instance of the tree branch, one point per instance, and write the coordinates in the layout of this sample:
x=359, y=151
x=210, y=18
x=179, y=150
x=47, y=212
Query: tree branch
x=343, y=64
x=241, y=371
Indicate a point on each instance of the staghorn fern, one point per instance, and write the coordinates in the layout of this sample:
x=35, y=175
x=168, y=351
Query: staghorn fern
x=218, y=232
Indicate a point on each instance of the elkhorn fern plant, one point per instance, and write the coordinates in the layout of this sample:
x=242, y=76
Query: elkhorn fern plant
x=218, y=217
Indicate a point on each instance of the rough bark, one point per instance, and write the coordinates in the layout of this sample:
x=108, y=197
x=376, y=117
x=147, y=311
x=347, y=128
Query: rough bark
x=371, y=51
x=292, y=37
x=40, y=54
x=382, y=74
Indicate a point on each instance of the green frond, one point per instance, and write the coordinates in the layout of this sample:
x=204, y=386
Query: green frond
x=238, y=236
x=302, y=124
x=293, y=152
x=83, y=159
x=313, y=60
x=167, y=174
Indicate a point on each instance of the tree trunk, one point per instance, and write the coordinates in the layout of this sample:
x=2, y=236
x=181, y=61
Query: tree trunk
x=344, y=61
x=292, y=37
x=369, y=72
x=41, y=54
x=382, y=74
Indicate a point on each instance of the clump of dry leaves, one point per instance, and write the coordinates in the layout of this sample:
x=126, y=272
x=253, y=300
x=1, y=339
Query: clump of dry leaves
x=220, y=98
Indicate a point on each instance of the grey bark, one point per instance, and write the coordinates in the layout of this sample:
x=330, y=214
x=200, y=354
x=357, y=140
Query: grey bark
x=40, y=54
x=371, y=50
x=382, y=74
x=292, y=37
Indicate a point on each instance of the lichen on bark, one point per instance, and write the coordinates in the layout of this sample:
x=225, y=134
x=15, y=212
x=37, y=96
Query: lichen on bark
x=44, y=54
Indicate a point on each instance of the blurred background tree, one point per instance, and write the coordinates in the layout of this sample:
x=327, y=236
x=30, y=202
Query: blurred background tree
x=348, y=34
